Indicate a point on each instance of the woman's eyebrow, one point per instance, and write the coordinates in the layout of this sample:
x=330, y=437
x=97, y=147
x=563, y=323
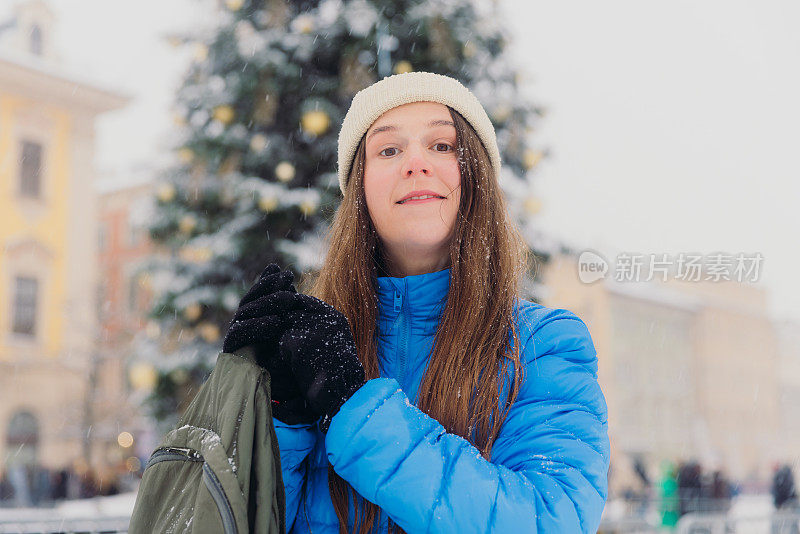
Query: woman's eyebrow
x=388, y=127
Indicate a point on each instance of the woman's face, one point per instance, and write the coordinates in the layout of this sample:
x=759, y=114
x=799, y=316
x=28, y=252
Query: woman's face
x=412, y=149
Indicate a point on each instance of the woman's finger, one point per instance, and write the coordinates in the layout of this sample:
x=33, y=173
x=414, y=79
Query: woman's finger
x=313, y=304
x=269, y=284
x=272, y=268
x=277, y=303
x=264, y=329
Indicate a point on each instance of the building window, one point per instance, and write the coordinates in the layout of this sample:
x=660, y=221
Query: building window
x=25, y=293
x=22, y=437
x=30, y=179
x=36, y=40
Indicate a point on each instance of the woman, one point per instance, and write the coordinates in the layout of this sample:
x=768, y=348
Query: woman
x=414, y=389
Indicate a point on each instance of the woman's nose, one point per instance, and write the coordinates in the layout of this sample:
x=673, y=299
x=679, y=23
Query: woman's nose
x=416, y=162
x=421, y=168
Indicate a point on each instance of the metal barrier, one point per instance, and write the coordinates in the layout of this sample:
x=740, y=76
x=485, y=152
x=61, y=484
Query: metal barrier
x=104, y=525
x=776, y=523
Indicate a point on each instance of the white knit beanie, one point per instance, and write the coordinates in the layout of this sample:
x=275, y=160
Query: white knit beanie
x=392, y=91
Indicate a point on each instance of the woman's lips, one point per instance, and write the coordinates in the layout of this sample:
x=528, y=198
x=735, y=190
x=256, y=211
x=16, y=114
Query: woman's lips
x=419, y=201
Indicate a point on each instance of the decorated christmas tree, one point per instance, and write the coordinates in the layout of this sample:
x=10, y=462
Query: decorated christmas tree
x=254, y=179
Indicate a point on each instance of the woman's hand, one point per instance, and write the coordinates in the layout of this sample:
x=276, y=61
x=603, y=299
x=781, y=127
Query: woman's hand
x=259, y=322
x=319, y=347
x=256, y=321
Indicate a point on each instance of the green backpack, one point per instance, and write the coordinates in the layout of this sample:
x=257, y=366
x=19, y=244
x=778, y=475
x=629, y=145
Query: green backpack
x=219, y=471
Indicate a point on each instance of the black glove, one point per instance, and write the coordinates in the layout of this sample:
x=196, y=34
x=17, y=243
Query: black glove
x=319, y=346
x=259, y=323
x=255, y=322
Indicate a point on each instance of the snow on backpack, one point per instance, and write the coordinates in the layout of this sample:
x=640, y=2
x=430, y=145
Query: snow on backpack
x=219, y=470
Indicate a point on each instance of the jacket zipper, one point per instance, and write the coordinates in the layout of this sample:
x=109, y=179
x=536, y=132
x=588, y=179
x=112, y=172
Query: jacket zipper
x=402, y=345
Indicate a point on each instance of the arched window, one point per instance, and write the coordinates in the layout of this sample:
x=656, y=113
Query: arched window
x=36, y=40
x=23, y=436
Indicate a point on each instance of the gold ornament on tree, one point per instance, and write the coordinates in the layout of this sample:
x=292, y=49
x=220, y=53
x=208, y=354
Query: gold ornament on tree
x=402, y=67
x=165, y=192
x=303, y=23
x=315, y=122
x=234, y=5
x=195, y=254
x=531, y=158
x=224, y=114
x=143, y=376
x=258, y=142
x=284, y=171
x=187, y=224
x=208, y=331
x=533, y=205
x=200, y=52
x=307, y=207
x=192, y=312
x=267, y=204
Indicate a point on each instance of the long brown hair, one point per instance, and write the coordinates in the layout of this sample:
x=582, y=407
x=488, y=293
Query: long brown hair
x=488, y=257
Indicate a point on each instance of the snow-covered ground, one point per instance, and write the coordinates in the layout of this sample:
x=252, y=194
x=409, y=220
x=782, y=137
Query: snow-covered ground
x=115, y=506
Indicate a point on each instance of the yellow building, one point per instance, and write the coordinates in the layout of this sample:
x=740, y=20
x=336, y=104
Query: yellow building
x=48, y=239
x=690, y=370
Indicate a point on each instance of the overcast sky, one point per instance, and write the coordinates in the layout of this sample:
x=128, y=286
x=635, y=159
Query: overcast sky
x=673, y=125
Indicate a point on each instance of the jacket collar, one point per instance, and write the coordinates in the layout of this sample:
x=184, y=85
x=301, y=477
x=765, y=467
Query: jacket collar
x=422, y=297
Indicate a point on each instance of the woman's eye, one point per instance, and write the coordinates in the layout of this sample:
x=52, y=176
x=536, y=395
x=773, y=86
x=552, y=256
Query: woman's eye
x=385, y=149
x=445, y=144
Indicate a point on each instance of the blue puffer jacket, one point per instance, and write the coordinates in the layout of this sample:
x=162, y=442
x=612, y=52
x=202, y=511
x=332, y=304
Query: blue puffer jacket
x=548, y=469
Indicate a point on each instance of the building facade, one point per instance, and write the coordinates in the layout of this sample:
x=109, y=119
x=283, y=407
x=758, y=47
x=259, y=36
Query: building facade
x=690, y=371
x=124, y=295
x=48, y=324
